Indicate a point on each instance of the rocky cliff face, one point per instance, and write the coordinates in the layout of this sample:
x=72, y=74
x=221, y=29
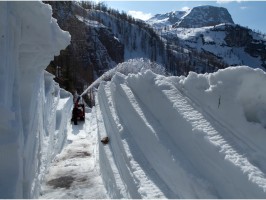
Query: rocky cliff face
x=205, y=16
x=194, y=18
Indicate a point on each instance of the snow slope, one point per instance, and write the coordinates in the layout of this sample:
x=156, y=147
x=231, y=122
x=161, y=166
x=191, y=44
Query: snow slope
x=200, y=136
x=34, y=109
x=161, y=21
x=212, y=39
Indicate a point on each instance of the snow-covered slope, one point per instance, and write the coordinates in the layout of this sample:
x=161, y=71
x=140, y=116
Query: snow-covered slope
x=161, y=21
x=200, y=136
x=232, y=44
x=139, y=40
x=211, y=32
x=34, y=110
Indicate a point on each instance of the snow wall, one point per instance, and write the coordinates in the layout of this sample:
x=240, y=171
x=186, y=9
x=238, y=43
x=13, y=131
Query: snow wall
x=200, y=136
x=34, y=109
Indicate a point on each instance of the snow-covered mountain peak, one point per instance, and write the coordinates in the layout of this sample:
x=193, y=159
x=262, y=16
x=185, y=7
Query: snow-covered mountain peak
x=193, y=18
x=167, y=19
x=205, y=16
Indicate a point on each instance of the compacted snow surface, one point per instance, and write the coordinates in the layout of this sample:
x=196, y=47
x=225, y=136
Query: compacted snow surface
x=74, y=173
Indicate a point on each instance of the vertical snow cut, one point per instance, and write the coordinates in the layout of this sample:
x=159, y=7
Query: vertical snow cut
x=29, y=39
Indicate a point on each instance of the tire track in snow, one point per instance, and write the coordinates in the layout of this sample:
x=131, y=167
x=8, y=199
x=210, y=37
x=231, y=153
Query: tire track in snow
x=243, y=144
x=216, y=136
x=132, y=175
x=210, y=158
x=112, y=179
x=148, y=171
x=157, y=155
x=199, y=127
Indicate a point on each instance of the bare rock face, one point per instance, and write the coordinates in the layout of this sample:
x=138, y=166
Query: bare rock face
x=205, y=16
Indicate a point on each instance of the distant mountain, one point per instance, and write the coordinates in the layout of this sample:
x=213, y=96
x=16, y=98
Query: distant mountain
x=205, y=16
x=168, y=19
x=193, y=18
x=209, y=30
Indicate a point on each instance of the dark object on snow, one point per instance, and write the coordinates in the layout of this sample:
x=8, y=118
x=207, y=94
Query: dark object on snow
x=78, y=112
x=61, y=182
x=75, y=115
x=105, y=140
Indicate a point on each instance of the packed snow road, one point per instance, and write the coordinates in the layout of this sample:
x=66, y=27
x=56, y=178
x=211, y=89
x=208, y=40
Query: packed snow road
x=74, y=173
x=177, y=137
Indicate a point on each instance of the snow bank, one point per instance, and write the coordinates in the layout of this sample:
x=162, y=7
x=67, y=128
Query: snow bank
x=201, y=136
x=240, y=89
x=29, y=39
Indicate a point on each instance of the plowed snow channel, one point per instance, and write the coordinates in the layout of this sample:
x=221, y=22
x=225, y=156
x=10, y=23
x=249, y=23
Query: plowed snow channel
x=74, y=173
x=200, y=136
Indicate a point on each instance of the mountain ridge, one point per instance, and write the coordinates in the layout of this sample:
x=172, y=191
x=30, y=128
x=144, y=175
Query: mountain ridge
x=196, y=17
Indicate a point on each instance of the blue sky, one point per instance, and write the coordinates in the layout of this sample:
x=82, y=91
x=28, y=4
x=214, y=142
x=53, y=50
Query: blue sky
x=245, y=13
